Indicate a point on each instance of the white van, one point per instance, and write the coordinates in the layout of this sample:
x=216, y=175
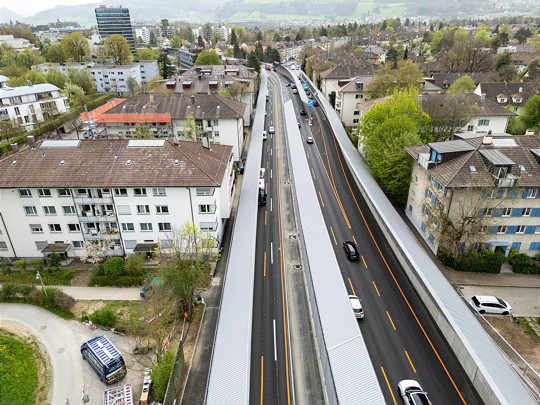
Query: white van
x=264, y=135
x=356, y=305
x=262, y=172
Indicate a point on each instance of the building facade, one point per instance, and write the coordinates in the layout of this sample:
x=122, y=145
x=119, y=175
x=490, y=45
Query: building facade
x=115, y=20
x=120, y=195
x=349, y=99
x=30, y=105
x=488, y=188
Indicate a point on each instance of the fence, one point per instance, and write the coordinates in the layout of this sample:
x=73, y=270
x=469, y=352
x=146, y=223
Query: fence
x=173, y=387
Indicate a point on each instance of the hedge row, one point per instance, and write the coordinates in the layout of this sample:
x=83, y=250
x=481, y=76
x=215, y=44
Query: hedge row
x=522, y=263
x=485, y=262
x=116, y=281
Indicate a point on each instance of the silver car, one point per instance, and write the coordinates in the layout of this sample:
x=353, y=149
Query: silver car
x=490, y=305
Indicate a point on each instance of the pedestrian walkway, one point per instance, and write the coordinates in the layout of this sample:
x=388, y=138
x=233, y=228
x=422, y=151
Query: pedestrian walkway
x=102, y=293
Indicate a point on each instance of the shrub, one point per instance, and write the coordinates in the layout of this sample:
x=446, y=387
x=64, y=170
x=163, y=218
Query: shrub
x=20, y=264
x=54, y=260
x=104, y=317
x=12, y=290
x=4, y=268
x=486, y=261
x=521, y=263
x=161, y=373
x=134, y=264
x=114, y=266
x=122, y=281
x=37, y=264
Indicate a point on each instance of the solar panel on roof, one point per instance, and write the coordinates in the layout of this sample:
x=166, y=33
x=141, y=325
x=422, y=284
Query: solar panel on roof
x=145, y=143
x=60, y=143
x=503, y=142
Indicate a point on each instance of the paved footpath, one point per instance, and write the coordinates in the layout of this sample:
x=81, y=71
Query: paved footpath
x=102, y=293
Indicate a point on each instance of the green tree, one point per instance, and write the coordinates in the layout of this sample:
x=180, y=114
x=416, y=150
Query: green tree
x=531, y=113
x=55, y=53
x=147, y=54
x=208, y=57
x=385, y=130
x=522, y=35
x=133, y=86
x=386, y=79
x=56, y=77
x=27, y=58
x=234, y=40
x=10, y=129
x=29, y=76
x=332, y=99
x=142, y=131
x=253, y=62
x=75, y=94
x=82, y=78
x=392, y=57
x=165, y=65
x=114, y=266
x=116, y=47
x=462, y=85
x=76, y=47
x=235, y=91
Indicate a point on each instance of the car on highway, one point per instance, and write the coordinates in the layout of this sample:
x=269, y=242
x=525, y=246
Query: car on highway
x=356, y=305
x=309, y=139
x=315, y=103
x=412, y=393
x=302, y=112
x=350, y=250
x=298, y=124
x=490, y=304
x=271, y=130
x=264, y=135
x=295, y=91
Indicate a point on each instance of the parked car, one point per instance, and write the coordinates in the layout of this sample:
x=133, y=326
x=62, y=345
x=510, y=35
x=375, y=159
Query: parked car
x=264, y=135
x=309, y=139
x=490, y=304
x=412, y=393
x=271, y=130
x=350, y=250
x=302, y=112
x=356, y=305
x=315, y=103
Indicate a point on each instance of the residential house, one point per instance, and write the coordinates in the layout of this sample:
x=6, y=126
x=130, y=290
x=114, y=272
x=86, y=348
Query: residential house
x=334, y=78
x=512, y=96
x=491, y=184
x=125, y=195
x=445, y=80
x=30, y=105
x=169, y=115
x=19, y=44
x=349, y=97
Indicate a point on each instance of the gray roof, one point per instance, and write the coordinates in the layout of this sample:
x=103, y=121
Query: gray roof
x=348, y=71
x=180, y=106
x=26, y=90
x=496, y=157
x=493, y=91
x=351, y=86
x=115, y=163
x=451, y=146
x=486, y=108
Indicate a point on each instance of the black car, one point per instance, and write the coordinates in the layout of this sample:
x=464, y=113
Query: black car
x=350, y=250
x=302, y=112
x=315, y=103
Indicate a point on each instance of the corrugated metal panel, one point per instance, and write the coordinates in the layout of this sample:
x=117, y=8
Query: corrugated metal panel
x=451, y=146
x=496, y=157
x=145, y=143
x=60, y=143
x=347, y=353
x=228, y=382
x=489, y=360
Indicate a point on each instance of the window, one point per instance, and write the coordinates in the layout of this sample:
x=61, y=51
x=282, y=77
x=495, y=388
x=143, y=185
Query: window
x=139, y=192
x=492, y=193
x=205, y=190
x=74, y=227
x=506, y=212
x=64, y=192
x=128, y=227
x=25, y=192
x=470, y=128
x=488, y=212
x=55, y=228
x=159, y=191
x=120, y=192
x=3, y=246
x=41, y=244
x=36, y=228
x=537, y=229
x=143, y=209
x=356, y=113
x=162, y=209
x=534, y=246
x=531, y=192
x=78, y=244
x=164, y=226
x=123, y=209
x=527, y=212
x=166, y=243
x=68, y=209
x=130, y=244
x=207, y=226
x=483, y=123
x=17, y=111
x=520, y=229
x=206, y=209
x=482, y=229
x=30, y=210
x=413, y=194
x=146, y=227
x=44, y=192
x=49, y=210
x=501, y=229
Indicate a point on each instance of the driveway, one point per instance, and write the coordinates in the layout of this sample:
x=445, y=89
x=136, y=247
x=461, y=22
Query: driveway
x=525, y=301
x=62, y=340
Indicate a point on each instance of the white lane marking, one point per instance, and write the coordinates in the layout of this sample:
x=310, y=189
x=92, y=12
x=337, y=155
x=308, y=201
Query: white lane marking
x=270, y=204
x=270, y=173
x=271, y=253
x=275, y=347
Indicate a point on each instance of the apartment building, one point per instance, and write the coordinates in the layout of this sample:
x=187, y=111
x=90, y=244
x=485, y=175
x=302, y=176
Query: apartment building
x=181, y=116
x=487, y=187
x=349, y=99
x=115, y=21
x=30, y=105
x=512, y=96
x=125, y=195
x=340, y=75
x=107, y=78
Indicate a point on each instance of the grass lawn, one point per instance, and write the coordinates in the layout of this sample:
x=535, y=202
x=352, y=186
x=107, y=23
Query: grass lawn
x=62, y=277
x=18, y=371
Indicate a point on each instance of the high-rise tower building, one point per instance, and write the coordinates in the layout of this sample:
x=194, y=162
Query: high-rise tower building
x=115, y=20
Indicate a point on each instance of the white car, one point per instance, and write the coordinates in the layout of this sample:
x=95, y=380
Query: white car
x=309, y=139
x=490, y=304
x=264, y=135
x=356, y=305
x=271, y=130
x=412, y=393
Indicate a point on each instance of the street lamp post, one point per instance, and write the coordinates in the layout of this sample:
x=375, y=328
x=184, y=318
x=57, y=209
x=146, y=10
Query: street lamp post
x=38, y=277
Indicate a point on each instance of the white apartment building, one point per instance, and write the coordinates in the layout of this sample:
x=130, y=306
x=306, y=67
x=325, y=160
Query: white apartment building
x=29, y=105
x=488, y=187
x=19, y=44
x=349, y=99
x=171, y=115
x=142, y=34
x=107, y=78
x=127, y=195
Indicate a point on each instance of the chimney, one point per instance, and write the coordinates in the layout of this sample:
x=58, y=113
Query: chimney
x=193, y=100
x=30, y=140
x=483, y=97
x=520, y=90
x=487, y=140
x=14, y=147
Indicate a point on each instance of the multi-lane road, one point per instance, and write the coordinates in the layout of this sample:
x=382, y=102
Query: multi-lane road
x=402, y=340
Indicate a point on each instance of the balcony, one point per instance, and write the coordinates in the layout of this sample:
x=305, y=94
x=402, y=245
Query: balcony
x=95, y=236
x=508, y=181
x=97, y=218
x=423, y=160
x=91, y=200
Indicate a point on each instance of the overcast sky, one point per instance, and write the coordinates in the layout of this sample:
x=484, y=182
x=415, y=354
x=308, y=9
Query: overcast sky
x=27, y=8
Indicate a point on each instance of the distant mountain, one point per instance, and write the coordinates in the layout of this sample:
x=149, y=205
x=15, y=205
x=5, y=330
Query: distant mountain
x=6, y=15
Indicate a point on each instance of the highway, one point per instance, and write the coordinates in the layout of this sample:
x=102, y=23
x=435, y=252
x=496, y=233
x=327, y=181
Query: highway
x=400, y=335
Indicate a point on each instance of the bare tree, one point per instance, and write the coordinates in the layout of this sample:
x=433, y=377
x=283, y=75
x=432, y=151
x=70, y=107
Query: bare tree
x=466, y=57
